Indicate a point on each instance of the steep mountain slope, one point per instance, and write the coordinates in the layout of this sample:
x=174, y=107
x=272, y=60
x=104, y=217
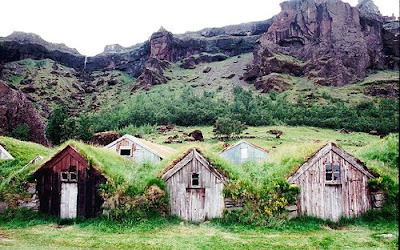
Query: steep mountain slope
x=16, y=110
x=335, y=43
x=48, y=84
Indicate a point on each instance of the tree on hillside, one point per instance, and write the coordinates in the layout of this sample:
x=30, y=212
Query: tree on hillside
x=54, y=129
x=228, y=126
x=21, y=132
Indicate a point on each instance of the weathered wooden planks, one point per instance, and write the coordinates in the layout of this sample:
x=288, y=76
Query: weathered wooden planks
x=195, y=203
x=319, y=197
x=54, y=195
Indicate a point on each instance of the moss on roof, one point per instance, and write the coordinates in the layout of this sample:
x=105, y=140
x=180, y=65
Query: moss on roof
x=109, y=163
x=220, y=164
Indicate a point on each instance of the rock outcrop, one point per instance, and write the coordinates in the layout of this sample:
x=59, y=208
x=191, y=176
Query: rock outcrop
x=153, y=74
x=336, y=43
x=16, y=110
x=20, y=45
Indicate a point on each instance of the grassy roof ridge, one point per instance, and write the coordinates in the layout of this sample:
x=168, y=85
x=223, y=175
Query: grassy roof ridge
x=222, y=165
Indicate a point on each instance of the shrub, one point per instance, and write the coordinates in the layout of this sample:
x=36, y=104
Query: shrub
x=21, y=132
x=263, y=204
x=228, y=126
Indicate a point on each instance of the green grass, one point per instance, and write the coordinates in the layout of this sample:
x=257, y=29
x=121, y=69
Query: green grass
x=32, y=231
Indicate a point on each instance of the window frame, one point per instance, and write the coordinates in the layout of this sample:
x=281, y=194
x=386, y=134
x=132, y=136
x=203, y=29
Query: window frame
x=69, y=175
x=332, y=172
x=198, y=180
x=125, y=149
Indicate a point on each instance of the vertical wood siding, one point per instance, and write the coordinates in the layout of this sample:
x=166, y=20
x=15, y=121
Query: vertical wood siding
x=318, y=198
x=199, y=203
x=49, y=184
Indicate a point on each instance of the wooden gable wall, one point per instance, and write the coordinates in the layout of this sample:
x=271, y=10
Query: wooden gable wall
x=331, y=200
x=49, y=184
x=195, y=203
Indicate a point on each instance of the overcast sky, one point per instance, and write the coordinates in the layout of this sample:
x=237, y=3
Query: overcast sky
x=89, y=25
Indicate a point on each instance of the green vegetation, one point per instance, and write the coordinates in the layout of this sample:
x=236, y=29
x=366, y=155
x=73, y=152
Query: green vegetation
x=228, y=126
x=23, y=229
x=21, y=132
x=190, y=109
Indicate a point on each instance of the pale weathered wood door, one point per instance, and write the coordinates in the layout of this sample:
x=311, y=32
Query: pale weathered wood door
x=195, y=199
x=69, y=200
x=333, y=202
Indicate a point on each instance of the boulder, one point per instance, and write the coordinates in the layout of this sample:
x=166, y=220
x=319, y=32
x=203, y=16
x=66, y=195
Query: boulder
x=271, y=82
x=206, y=69
x=197, y=135
x=104, y=138
x=276, y=132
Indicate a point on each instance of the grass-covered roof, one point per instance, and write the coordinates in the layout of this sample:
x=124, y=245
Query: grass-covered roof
x=289, y=154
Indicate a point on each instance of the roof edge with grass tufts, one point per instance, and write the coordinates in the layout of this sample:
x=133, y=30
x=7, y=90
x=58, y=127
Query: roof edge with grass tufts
x=225, y=173
x=357, y=163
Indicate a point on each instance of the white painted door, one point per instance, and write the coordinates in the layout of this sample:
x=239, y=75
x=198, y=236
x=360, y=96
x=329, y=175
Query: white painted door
x=69, y=200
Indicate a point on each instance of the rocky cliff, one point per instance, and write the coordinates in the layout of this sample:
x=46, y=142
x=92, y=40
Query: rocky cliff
x=326, y=40
x=16, y=110
x=20, y=45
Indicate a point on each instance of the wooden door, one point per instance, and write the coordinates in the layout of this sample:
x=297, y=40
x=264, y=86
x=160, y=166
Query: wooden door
x=333, y=202
x=69, y=200
x=195, y=198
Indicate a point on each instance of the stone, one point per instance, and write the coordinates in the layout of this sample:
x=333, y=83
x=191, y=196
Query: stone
x=31, y=189
x=344, y=131
x=104, y=138
x=3, y=206
x=197, y=135
x=305, y=39
x=11, y=102
x=291, y=208
x=207, y=69
x=387, y=236
x=271, y=82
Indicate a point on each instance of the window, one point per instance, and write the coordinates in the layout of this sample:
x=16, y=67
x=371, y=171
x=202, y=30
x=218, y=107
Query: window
x=125, y=152
x=70, y=176
x=64, y=176
x=336, y=172
x=195, y=180
x=244, y=152
x=332, y=172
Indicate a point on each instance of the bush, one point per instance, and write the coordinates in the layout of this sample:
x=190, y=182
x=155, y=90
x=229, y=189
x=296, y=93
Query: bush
x=262, y=205
x=391, y=190
x=228, y=126
x=21, y=132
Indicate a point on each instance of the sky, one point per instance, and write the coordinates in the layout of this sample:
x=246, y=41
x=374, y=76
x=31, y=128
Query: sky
x=89, y=25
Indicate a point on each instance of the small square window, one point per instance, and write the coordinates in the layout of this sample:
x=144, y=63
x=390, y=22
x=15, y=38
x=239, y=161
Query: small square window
x=73, y=176
x=332, y=172
x=64, y=176
x=195, y=179
x=126, y=152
